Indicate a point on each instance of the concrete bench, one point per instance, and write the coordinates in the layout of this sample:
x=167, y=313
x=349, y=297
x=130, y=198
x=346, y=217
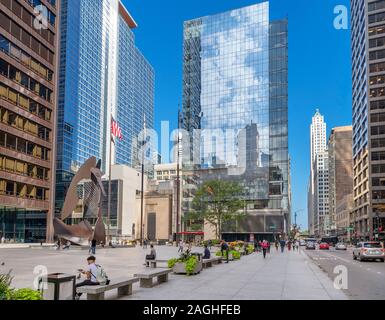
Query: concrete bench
x=217, y=260
x=208, y=263
x=124, y=286
x=154, y=263
x=148, y=275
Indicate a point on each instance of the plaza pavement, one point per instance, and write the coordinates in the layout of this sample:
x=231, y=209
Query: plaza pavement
x=287, y=276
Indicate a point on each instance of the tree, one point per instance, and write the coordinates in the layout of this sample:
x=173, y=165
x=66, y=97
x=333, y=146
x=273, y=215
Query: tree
x=217, y=202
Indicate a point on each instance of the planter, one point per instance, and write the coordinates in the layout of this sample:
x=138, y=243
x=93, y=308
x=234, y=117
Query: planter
x=180, y=268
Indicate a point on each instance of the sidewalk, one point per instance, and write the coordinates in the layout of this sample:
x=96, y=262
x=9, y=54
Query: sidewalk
x=287, y=276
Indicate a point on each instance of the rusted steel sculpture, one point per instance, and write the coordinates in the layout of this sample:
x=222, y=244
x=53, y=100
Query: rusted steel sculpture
x=83, y=232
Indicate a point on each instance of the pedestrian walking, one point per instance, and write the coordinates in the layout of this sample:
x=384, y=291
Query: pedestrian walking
x=268, y=246
x=209, y=244
x=225, y=249
x=282, y=243
x=93, y=246
x=264, y=248
x=276, y=245
x=289, y=245
x=181, y=245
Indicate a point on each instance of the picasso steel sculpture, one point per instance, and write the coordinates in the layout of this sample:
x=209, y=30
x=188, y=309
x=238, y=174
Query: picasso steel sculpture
x=83, y=232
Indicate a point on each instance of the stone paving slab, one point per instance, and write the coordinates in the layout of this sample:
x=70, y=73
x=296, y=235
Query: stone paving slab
x=295, y=277
x=287, y=276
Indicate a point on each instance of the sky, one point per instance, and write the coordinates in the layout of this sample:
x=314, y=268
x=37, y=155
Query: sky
x=319, y=67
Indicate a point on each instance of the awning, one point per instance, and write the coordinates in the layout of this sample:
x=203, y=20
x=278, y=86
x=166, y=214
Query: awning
x=194, y=233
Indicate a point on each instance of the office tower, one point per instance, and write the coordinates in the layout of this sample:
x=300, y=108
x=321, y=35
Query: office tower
x=235, y=90
x=321, y=194
x=28, y=47
x=103, y=75
x=317, y=166
x=368, y=78
x=340, y=177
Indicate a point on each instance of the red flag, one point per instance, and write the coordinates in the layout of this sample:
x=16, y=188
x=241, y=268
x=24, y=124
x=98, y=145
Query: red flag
x=116, y=131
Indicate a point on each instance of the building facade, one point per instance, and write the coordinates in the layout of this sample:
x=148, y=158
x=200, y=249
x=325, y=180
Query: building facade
x=317, y=202
x=235, y=107
x=28, y=54
x=342, y=212
x=125, y=188
x=103, y=76
x=322, y=222
x=340, y=176
x=368, y=78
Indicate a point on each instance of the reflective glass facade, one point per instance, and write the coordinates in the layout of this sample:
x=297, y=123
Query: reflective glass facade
x=102, y=74
x=135, y=95
x=235, y=91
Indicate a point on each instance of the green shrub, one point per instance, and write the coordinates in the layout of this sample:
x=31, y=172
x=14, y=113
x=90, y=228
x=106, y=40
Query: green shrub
x=191, y=263
x=24, y=294
x=214, y=242
x=236, y=254
x=189, y=260
x=171, y=263
x=250, y=248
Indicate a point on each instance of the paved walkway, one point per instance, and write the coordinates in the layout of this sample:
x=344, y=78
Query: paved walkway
x=287, y=276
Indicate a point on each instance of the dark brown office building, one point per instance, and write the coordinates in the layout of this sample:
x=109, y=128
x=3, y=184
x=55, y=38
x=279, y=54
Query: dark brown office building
x=28, y=49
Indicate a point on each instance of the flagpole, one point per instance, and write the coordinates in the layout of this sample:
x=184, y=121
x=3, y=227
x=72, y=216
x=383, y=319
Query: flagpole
x=109, y=189
x=142, y=185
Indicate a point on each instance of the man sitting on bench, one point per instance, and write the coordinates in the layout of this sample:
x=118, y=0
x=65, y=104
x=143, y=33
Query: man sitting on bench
x=151, y=256
x=206, y=254
x=91, y=273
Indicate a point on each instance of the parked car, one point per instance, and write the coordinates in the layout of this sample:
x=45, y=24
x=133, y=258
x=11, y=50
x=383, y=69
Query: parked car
x=371, y=250
x=310, y=245
x=302, y=243
x=324, y=246
x=341, y=246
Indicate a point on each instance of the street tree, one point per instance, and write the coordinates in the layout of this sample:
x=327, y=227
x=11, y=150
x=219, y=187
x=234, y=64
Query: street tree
x=218, y=202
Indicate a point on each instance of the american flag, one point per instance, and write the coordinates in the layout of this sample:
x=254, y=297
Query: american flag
x=116, y=131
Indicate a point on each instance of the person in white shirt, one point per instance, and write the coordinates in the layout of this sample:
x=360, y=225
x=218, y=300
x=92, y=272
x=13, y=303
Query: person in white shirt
x=90, y=273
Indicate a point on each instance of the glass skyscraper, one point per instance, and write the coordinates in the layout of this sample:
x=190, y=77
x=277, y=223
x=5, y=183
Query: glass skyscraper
x=102, y=75
x=235, y=106
x=135, y=95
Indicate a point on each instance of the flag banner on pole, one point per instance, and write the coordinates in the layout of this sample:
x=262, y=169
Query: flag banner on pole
x=116, y=131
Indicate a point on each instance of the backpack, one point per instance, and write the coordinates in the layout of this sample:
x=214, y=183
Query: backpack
x=101, y=276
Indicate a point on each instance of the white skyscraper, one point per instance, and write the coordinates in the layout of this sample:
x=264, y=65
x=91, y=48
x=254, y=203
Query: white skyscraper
x=317, y=136
x=318, y=192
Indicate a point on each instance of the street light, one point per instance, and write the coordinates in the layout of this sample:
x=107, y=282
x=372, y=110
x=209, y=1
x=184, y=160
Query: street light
x=295, y=216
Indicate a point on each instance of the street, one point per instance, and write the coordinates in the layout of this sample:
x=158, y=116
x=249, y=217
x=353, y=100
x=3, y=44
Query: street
x=366, y=280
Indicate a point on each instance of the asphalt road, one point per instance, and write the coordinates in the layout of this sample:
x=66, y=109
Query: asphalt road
x=366, y=279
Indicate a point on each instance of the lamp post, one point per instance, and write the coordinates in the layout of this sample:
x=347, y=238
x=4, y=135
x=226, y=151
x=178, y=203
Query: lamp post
x=295, y=216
